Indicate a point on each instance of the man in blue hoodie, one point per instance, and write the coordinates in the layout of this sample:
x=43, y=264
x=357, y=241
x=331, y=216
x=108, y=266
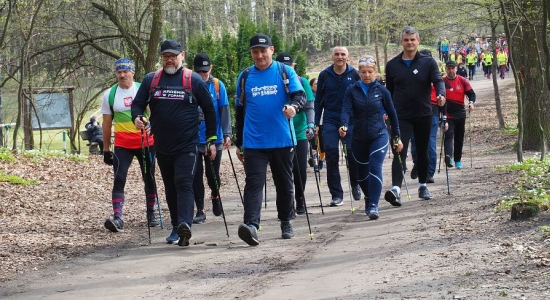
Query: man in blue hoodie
x=331, y=86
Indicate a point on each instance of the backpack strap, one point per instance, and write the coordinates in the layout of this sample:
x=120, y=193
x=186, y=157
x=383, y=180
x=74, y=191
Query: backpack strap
x=244, y=76
x=217, y=87
x=155, y=81
x=286, y=81
x=112, y=94
x=186, y=80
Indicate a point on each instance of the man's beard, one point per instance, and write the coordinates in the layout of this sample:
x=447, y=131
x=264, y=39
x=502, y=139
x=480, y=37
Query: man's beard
x=171, y=70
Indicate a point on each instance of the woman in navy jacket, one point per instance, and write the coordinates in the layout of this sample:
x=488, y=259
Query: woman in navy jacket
x=369, y=100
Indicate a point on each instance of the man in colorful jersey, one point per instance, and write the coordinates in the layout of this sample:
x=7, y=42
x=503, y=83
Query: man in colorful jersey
x=445, y=48
x=128, y=144
x=331, y=87
x=174, y=95
x=265, y=134
x=456, y=88
x=409, y=78
x=203, y=66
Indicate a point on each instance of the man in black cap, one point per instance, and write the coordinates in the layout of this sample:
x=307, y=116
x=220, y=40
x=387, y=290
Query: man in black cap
x=174, y=95
x=203, y=66
x=265, y=103
x=95, y=132
x=303, y=131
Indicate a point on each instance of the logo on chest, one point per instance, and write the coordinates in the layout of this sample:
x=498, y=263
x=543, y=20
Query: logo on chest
x=128, y=101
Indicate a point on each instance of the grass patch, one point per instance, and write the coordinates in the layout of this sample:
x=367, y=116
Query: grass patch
x=532, y=186
x=7, y=156
x=510, y=130
x=16, y=179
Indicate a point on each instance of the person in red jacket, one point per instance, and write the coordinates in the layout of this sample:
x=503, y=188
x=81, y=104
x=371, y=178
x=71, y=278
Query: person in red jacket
x=456, y=88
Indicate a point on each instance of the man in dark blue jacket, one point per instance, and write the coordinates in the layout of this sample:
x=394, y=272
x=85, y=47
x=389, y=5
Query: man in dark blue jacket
x=409, y=76
x=174, y=95
x=331, y=86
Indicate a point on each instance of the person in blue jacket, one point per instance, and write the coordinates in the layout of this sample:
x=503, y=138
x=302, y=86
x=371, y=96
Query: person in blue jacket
x=203, y=66
x=369, y=100
x=331, y=86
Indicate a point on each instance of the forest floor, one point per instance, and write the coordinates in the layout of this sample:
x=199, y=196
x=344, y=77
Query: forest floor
x=455, y=246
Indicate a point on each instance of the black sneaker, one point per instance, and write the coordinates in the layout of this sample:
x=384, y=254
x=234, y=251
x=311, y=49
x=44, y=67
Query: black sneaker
x=414, y=172
x=114, y=224
x=337, y=202
x=200, y=217
x=310, y=162
x=430, y=180
x=286, y=230
x=392, y=196
x=217, y=206
x=249, y=234
x=184, y=233
x=356, y=192
x=152, y=220
x=424, y=193
x=448, y=161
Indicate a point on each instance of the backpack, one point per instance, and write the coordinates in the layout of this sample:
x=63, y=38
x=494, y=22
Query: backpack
x=246, y=72
x=185, y=81
x=112, y=94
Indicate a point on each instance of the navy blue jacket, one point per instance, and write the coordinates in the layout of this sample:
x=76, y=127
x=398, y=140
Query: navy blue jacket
x=175, y=115
x=368, y=111
x=330, y=93
x=410, y=87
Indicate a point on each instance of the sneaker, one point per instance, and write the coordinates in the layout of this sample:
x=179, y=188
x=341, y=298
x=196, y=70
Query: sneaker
x=373, y=212
x=184, y=232
x=286, y=230
x=249, y=234
x=114, y=224
x=152, y=220
x=424, y=193
x=300, y=206
x=356, y=192
x=173, y=237
x=430, y=180
x=310, y=162
x=458, y=165
x=393, y=197
x=414, y=172
x=448, y=161
x=200, y=217
x=337, y=202
x=217, y=206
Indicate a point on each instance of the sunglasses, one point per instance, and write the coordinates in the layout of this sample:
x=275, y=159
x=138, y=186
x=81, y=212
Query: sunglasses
x=369, y=60
x=202, y=71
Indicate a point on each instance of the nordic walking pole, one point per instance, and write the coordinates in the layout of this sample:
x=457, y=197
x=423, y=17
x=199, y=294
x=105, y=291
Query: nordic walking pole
x=145, y=174
x=217, y=184
x=316, y=167
x=443, y=120
x=299, y=176
x=345, y=151
x=403, y=171
x=265, y=192
x=235, y=175
x=152, y=161
x=470, y=135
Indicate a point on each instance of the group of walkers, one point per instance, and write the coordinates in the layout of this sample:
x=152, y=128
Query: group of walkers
x=182, y=119
x=476, y=53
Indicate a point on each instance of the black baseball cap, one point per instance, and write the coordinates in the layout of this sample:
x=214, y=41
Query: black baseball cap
x=260, y=40
x=284, y=58
x=170, y=46
x=451, y=63
x=201, y=62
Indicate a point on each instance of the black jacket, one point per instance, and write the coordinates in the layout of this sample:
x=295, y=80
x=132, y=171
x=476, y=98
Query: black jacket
x=175, y=119
x=410, y=87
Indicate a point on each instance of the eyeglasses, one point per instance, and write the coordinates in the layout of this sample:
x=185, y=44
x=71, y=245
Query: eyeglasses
x=169, y=57
x=369, y=60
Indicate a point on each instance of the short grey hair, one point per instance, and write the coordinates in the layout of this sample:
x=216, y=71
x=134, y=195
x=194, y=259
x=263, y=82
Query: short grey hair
x=409, y=30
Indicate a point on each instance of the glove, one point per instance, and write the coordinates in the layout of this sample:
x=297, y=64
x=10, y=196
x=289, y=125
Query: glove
x=310, y=133
x=108, y=158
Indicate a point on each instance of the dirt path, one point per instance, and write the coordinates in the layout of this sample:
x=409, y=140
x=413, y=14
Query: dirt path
x=451, y=247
